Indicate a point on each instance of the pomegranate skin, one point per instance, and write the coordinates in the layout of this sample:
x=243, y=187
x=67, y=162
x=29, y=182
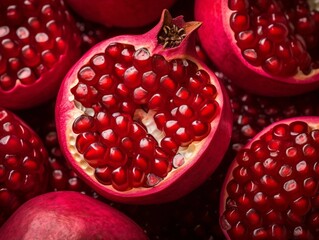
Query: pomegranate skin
x=122, y=13
x=63, y=50
x=218, y=41
x=69, y=215
x=282, y=208
x=177, y=183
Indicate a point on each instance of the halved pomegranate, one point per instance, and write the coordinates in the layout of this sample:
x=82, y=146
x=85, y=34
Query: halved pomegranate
x=267, y=47
x=271, y=188
x=140, y=118
x=23, y=160
x=39, y=42
x=120, y=13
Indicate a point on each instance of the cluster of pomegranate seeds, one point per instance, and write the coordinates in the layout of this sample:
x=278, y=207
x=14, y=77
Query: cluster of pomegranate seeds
x=280, y=36
x=273, y=192
x=33, y=36
x=123, y=84
x=22, y=164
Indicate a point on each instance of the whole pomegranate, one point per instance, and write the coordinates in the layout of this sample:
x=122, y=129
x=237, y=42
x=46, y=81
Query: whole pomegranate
x=69, y=215
x=140, y=118
x=39, y=42
x=23, y=160
x=271, y=188
x=267, y=47
x=120, y=13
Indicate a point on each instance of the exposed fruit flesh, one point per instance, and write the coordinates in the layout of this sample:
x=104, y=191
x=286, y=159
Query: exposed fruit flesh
x=272, y=187
x=22, y=161
x=140, y=115
x=33, y=37
x=145, y=110
x=280, y=36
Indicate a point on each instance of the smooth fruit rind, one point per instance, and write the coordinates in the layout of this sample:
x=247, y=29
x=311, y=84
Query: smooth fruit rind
x=175, y=180
x=69, y=215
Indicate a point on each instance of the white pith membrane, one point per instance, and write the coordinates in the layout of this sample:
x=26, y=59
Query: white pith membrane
x=290, y=183
x=182, y=158
x=299, y=75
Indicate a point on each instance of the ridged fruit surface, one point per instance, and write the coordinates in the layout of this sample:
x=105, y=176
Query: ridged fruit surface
x=39, y=42
x=140, y=118
x=266, y=47
x=69, y=215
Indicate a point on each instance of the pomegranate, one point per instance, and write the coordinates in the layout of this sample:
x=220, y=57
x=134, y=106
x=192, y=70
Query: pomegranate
x=69, y=215
x=271, y=188
x=120, y=13
x=266, y=47
x=140, y=119
x=23, y=160
x=39, y=42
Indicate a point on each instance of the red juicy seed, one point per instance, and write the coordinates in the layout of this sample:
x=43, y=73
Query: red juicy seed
x=142, y=59
x=120, y=179
x=102, y=63
x=109, y=101
x=30, y=165
x=29, y=56
x=161, y=120
x=246, y=39
x=238, y=4
x=127, y=54
x=109, y=138
x=122, y=90
x=114, y=50
x=106, y=84
x=171, y=127
x=169, y=145
x=200, y=129
x=141, y=162
x=127, y=144
x=150, y=81
x=138, y=131
x=156, y=101
x=87, y=75
x=115, y=157
x=183, y=136
x=208, y=111
x=147, y=145
x=14, y=180
x=167, y=84
x=94, y=154
x=182, y=96
x=83, y=123
x=177, y=70
x=119, y=69
x=48, y=58
x=159, y=65
x=132, y=78
x=26, y=76
x=160, y=167
x=104, y=174
x=185, y=114
x=103, y=120
x=239, y=22
x=10, y=144
x=140, y=95
x=122, y=124
x=84, y=140
x=138, y=177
